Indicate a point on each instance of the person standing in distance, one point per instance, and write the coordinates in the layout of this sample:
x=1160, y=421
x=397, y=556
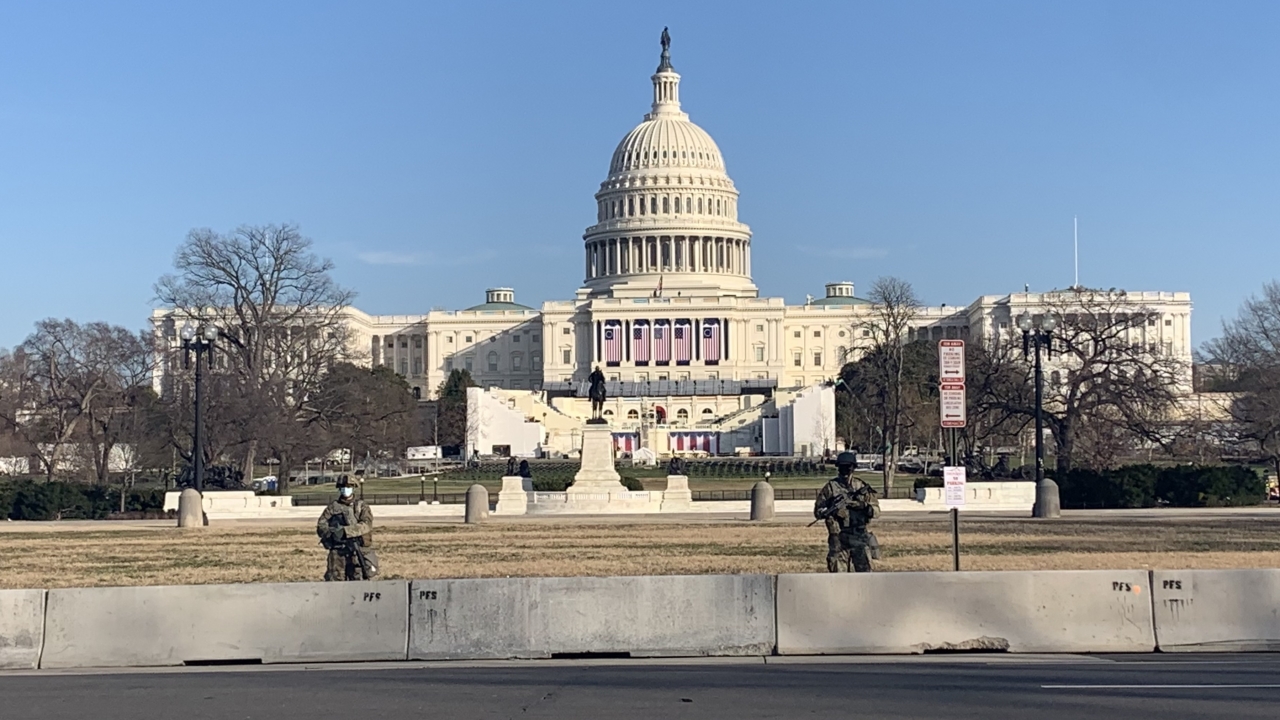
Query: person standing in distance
x=346, y=531
x=847, y=504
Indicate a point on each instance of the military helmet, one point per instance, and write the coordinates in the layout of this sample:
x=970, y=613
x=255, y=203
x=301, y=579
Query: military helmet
x=846, y=458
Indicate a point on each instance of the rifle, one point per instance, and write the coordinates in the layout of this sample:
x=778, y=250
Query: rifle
x=842, y=501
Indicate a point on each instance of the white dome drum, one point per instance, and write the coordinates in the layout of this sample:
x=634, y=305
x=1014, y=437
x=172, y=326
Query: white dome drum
x=667, y=215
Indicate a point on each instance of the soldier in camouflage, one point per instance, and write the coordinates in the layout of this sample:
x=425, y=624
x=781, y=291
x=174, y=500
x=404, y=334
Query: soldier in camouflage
x=847, y=504
x=346, y=531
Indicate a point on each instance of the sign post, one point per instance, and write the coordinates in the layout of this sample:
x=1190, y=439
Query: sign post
x=953, y=482
x=953, y=413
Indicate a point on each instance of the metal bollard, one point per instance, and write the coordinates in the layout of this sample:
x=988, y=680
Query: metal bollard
x=190, y=512
x=762, y=501
x=477, y=505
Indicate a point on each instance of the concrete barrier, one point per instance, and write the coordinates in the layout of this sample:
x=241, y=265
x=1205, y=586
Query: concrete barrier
x=21, y=628
x=1217, y=610
x=650, y=616
x=1069, y=611
x=191, y=624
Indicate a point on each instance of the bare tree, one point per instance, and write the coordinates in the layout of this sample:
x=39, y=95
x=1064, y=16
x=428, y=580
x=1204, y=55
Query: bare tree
x=894, y=309
x=123, y=362
x=281, y=319
x=1247, y=360
x=1106, y=388
x=69, y=383
x=371, y=412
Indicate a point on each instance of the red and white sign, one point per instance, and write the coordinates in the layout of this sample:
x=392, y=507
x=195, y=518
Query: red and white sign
x=953, y=486
x=951, y=398
x=951, y=361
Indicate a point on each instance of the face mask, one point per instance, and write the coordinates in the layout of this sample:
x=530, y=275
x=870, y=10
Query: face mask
x=346, y=492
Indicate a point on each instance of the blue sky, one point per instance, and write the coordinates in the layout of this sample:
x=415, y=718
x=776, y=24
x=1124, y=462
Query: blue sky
x=435, y=149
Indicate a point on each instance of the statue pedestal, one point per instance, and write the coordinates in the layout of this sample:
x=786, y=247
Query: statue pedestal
x=597, y=474
x=677, y=497
x=513, y=499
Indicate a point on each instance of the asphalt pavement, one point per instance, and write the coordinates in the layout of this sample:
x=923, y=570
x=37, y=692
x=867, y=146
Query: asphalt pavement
x=969, y=686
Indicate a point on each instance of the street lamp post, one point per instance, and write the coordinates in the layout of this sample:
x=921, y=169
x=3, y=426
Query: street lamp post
x=1037, y=335
x=198, y=339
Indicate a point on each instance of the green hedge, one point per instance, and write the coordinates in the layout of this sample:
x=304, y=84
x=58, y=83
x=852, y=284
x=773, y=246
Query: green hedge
x=1141, y=486
x=27, y=500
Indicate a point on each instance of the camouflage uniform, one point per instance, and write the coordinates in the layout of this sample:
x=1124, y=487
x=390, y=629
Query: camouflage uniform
x=848, y=540
x=356, y=522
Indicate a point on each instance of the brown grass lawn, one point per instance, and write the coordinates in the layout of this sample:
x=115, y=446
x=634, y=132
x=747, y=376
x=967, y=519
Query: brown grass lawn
x=499, y=549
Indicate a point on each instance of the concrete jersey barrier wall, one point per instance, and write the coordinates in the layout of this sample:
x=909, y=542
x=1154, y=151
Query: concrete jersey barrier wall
x=644, y=616
x=21, y=628
x=273, y=623
x=1217, y=610
x=1059, y=611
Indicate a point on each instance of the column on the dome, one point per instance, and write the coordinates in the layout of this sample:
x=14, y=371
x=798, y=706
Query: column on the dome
x=613, y=256
x=693, y=253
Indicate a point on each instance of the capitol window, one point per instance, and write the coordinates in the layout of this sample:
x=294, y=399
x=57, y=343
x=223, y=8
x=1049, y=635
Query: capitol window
x=515, y=338
x=797, y=360
x=633, y=414
x=568, y=356
x=493, y=361
x=565, y=331
x=631, y=207
x=795, y=333
x=466, y=339
x=759, y=353
x=536, y=361
x=516, y=361
x=817, y=359
x=817, y=333
x=666, y=204
x=536, y=338
x=682, y=415
x=707, y=413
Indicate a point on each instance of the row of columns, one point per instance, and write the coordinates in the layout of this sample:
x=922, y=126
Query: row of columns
x=680, y=253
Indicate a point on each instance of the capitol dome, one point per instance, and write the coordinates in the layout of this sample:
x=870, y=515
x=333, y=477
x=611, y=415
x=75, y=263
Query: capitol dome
x=667, y=214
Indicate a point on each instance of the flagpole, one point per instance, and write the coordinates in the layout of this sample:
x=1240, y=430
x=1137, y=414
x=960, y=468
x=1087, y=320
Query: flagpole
x=1075, y=222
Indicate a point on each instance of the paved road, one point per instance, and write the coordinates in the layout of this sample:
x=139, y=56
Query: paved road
x=990, y=687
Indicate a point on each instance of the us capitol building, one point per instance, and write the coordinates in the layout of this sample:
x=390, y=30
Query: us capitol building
x=697, y=361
